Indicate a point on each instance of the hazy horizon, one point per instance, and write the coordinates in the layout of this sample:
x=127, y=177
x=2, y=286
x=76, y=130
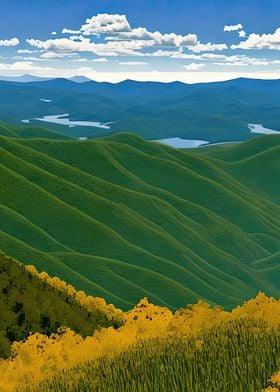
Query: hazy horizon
x=162, y=41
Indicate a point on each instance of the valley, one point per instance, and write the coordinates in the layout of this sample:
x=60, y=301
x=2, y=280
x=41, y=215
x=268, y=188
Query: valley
x=123, y=218
x=214, y=112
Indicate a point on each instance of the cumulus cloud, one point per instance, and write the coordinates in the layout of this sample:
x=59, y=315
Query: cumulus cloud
x=55, y=55
x=26, y=51
x=110, y=48
x=70, y=31
x=242, y=34
x=105, y=23
x=62, y=45
x=119, y=26
x=194, y=66
x=233, y=27
x=260, y=41
x=9, y=42
x=159, y=39
x=117, y=38
x=209, y=47
x=132, y=63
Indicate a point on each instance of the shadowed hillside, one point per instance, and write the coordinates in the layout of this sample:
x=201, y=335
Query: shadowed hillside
x=30, y=304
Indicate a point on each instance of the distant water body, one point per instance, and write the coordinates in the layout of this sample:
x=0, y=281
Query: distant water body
x=177, y=142
x=63, y=119
x=182, y=143
x=259, y=128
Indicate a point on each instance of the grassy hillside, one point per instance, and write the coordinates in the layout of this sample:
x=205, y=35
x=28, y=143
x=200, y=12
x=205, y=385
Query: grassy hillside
x=30, y=304
x=123, y=218
x=30, y=132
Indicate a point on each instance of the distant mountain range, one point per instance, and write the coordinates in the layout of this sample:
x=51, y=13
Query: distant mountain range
x=23, y=78
x=213, y=112
x=123, y=218
x=26, y=78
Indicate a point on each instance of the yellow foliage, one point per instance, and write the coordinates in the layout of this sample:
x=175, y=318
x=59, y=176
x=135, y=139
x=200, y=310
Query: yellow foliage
x=92, y=304
x=146, y=320
x=40, y=356
x=260, y=308
x=189, y=321
x=275, y=379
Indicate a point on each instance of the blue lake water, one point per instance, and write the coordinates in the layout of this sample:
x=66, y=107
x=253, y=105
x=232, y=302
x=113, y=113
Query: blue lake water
x=63, y=119
x=258, y=128
x=182, y=143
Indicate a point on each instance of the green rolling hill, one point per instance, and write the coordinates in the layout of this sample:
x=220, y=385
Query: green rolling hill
x=123, y=218
x=30, y=132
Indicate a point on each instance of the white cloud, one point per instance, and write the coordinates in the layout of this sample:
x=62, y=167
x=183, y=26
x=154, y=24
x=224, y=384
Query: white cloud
x=23, y=58
x=263, y=41
x=70, y=31
x=209, y=47
x=105, y=23
x=242, y=63
x=120, y=47
x=62, y=45
x=193, y=66
x=242, y=33
x=159, y=39
x=132, y=63
x=102, y=24
x=9, y=42
x=75, y=37
x=233, y=27
x=55, y=55
x=51, y=55
x=210, y=57
x=54, y=33
x=119, y=38
x=84, y=45
x=23, y=66
x=100, y=60
x=26, y=51
x=246, y=61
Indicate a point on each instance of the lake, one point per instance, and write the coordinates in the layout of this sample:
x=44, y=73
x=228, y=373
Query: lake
x=182, y=143
x=259, y=128
x=63, y=119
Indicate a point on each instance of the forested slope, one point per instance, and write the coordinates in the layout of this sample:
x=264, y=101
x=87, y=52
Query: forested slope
x=29, y=304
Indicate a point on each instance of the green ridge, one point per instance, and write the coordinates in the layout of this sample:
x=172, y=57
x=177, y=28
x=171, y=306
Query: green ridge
x=124, y=218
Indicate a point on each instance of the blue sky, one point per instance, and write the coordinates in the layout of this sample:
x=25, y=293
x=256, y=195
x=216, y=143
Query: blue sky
x=188, y=40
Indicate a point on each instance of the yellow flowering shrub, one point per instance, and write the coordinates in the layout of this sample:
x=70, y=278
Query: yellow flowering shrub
x=40, y=357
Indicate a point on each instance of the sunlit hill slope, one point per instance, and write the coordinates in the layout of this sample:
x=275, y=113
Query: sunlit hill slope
x=123, y=218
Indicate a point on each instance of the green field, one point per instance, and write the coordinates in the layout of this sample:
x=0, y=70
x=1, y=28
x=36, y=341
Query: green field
x=123, y=218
